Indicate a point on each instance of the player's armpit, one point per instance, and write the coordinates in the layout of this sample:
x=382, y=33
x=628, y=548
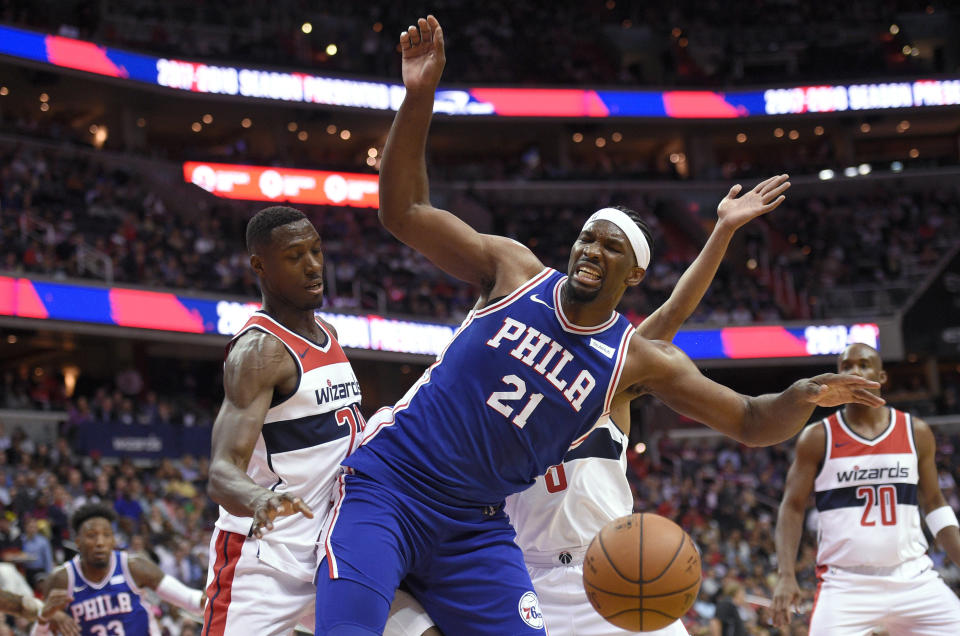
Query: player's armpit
x=145, y=572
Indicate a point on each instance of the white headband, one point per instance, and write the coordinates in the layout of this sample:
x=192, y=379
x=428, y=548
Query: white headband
x=641, y=249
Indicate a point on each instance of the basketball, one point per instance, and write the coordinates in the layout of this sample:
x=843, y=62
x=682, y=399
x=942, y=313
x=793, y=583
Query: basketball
x=642, y=572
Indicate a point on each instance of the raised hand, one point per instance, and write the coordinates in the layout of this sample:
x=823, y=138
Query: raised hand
x=765, y=197
x=423, y=55
x=832, y=389
x=270, y=507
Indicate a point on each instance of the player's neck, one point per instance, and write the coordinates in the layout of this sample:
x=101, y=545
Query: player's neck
x=584, y=314
x=92, y=572
x=302, y=322
x=866, y=419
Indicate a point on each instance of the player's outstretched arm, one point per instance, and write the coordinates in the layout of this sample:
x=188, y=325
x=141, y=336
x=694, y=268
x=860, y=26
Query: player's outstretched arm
x=733, y=212
x=405, y=207
x=146, y=573
x=665, y=371
x=799, y=485
x=940, y=517
x=254, y=367
x=53, y=619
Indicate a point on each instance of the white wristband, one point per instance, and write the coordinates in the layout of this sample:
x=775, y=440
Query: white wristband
x=940, y=518
x=176, y=593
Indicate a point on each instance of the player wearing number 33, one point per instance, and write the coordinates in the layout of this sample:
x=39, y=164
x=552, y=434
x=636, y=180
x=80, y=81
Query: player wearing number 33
x=529, y=373
x=871, y=469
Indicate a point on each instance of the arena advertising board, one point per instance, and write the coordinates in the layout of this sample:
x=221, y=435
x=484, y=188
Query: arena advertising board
x=306, y=88
x=267, y=183
x=180, y=313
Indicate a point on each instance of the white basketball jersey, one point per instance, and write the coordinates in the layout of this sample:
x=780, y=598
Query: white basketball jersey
x=305, y=434
x=565, y=508
x=867, y=496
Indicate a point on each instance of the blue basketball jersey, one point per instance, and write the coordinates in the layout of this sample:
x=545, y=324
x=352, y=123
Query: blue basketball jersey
x=515, y=389
x=111, y=607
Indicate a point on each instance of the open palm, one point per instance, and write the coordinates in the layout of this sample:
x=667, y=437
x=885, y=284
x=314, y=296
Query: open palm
x=765, y=197
x=423, y=56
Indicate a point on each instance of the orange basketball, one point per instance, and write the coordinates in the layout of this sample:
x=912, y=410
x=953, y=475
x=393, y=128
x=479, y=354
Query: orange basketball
x=642, y=572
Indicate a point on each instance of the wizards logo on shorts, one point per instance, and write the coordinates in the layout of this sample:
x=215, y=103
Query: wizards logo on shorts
x=529, y=607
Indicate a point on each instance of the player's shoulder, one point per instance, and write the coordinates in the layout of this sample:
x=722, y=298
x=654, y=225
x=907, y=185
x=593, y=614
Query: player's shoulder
x=515, y=262
x=258, y=358
x=58, y=579
x=329, y=327
x=145, y=573
x=812, y=441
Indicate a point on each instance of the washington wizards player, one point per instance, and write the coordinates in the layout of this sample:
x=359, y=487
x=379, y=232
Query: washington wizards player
x=873, y=470
x=557, y=517
x=106, y=584
x=527, y=375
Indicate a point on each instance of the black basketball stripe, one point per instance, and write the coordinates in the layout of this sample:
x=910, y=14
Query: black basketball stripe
x=641, y=581
x=621, y=595
x=611, y=562
x=683, y=540
x=627, y=611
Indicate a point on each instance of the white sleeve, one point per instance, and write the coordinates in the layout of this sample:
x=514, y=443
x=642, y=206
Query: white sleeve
x=176, y=593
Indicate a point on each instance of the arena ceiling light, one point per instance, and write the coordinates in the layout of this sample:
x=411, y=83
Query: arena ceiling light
x=825, y=174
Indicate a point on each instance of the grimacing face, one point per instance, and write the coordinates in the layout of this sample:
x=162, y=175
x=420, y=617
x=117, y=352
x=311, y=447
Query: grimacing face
x=290, y=266
x=601, y=263
x=95, y=541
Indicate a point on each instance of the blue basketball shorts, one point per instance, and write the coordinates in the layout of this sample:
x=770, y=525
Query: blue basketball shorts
x=461, y=564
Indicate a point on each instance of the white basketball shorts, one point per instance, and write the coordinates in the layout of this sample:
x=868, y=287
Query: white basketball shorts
x=568, y=612
x=910, y=599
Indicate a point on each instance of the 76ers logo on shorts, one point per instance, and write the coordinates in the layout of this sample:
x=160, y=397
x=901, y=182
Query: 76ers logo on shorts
x=529, y=607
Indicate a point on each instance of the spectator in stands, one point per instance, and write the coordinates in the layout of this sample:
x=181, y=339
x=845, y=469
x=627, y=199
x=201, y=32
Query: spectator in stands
x=37, y=546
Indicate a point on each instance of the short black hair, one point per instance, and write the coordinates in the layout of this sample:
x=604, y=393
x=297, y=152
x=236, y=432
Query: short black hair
x=89, y=511
x=263, y=222
x=636, y=218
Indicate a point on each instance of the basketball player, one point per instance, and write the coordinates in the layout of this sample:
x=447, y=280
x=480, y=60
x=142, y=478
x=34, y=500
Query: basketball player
x=289, y=416
x=43, y=612
x=527, y=375
x=557, y=517
x=105, y=583
x=872, y=469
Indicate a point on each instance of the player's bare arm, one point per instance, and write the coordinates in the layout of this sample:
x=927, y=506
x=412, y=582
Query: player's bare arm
x=146, y=573
x=495, y=264
x=799, y=484
x=256, y=367
x=733, y=212
x=665, y=371
x=55, y=620
x=931, y=497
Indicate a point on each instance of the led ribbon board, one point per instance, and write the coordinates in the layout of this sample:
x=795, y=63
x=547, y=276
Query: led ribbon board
x=163, y=311
x=292, y=86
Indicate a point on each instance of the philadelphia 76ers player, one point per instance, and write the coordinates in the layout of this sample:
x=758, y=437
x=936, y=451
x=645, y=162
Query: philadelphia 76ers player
x=557, y=517
x=526, y=376
x=872, y=469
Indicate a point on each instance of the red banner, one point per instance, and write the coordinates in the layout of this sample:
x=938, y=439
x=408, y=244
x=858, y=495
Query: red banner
x=266, y=183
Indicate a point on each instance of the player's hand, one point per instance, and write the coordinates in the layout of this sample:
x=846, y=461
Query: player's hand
x=832, y=389
x=786, y=596
x=765, y=197
x=57, y=599
x=272, y=505
x=423, y=56
x=61, y=623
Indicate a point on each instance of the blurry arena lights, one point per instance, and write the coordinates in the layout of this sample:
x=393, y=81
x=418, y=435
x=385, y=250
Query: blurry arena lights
x=44, y=106
x=196, y=126
x=824, y=175
x=331, y=49
x=914, y=153
x=850, y=171
x=894, y=29
x=914, y=51
x=246, y=122
x=208, y=118
x=577, y=137
x=818, y=131
x=371, y=161
x=344, y=134
x=864, y=168
x=4, y=91
x=903, y=126
x=896, y=166
x=93, y=129
x=864, y=127
x=930, y=9
x=677, y=157
x=794, y=135
x=377, y=27
x=778, y=132
x=600, y=142
x=677, y=32
x=12, y=339
x=371, y=152
x=100, y=137
x=616, y=137
x=751, y=264
x=302, y=135
x=44, y=98
x=741, y=138
x=683, y=42
x=306, y=27
x=640, y=448
x=141, y=122
x=331, y=130
x=292, y=126
x=626, y=24
x=906, y=49
x=610, y=4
